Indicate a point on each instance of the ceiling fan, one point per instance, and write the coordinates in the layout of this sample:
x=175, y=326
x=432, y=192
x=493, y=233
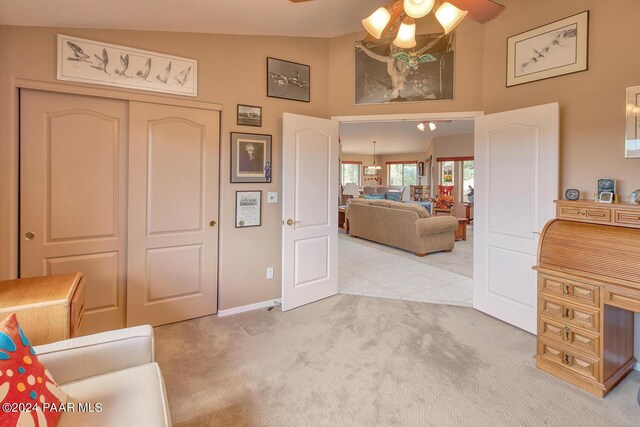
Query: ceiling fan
x=399, y=16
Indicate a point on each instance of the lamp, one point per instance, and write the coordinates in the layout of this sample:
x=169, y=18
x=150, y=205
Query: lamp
x=422, y=125
x=377, y=22
x=417, y=8
x=388, y=20
x=406, y=38
x=449, y=16
x=374, y=166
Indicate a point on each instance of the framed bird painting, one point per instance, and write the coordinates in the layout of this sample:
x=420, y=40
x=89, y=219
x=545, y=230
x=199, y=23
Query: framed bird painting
x=93, y=62
x=552, y=50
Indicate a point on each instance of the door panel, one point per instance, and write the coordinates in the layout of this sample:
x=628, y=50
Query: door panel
x=173, y=198
x=73, y=196
x=310, y=202
x=516, y=177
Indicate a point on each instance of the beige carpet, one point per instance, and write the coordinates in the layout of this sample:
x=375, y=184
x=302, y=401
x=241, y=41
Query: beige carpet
x=360, y=361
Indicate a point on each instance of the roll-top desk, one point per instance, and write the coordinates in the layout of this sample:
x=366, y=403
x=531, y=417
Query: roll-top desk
x=588, y=288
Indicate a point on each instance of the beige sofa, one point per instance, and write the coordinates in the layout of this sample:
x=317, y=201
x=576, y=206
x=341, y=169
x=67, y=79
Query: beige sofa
x=116, y=369
x=402, y=225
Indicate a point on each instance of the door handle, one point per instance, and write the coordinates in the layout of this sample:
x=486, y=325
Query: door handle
x=291, y=222
x=212, y=223
x=29, y=235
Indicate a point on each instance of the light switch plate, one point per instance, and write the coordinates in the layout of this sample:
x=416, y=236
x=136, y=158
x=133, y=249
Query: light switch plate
x=272, y=197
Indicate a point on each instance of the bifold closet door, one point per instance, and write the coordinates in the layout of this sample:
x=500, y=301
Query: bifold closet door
x=73, y=194
x=173, y=213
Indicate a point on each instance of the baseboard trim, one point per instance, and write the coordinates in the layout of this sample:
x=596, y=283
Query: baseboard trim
x=250, y=307
x=636, y=367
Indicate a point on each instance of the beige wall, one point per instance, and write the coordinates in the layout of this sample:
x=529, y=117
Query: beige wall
x=231, y=70
x=453, y=146
x=592, y=103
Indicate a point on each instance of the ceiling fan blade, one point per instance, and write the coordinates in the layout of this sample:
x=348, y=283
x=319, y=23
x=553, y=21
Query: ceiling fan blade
x=481, y=11
x=299, y=1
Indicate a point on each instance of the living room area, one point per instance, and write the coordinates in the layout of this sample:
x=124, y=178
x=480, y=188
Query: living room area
x=406, y=214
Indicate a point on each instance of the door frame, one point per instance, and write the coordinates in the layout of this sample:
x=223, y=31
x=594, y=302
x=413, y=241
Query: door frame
x=10, y=242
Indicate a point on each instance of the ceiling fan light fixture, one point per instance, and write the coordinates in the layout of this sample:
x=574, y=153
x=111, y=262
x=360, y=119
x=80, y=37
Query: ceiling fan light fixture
x=432, y=126
x=418, y=8
x=377, y=22
x=406, y=38
x=449, y=16
x=421, y=126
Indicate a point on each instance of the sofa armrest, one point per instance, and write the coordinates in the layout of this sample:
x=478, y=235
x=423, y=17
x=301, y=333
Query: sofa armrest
x=436, y=224
x=97, y=354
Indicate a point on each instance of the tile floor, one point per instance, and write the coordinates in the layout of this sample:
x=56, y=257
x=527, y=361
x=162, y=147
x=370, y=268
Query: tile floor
x=371, y=269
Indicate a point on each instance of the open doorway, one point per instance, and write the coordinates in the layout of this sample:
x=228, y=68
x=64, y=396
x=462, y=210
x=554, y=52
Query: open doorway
x=412, y=165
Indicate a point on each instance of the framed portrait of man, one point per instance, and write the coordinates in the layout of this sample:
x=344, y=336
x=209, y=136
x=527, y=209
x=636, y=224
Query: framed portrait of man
x=250, y=157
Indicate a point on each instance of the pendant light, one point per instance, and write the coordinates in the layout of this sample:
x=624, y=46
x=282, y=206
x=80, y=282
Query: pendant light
x=374, y=166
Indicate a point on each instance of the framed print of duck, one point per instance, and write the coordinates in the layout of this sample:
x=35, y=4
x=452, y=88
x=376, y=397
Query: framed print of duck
x=93, y=62
x=552, y=50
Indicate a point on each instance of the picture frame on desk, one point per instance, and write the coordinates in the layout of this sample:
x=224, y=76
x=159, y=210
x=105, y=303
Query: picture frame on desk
x=605, y=197
x=603, y=185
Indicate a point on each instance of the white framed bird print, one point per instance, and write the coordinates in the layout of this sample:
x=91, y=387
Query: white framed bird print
x=94, y=62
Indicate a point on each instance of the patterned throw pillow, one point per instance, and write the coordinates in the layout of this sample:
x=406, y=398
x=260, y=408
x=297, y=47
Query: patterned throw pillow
x=24, y=382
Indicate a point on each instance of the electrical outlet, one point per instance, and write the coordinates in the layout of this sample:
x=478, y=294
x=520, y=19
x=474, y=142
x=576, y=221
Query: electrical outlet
x=272, y=197
x=269, y=272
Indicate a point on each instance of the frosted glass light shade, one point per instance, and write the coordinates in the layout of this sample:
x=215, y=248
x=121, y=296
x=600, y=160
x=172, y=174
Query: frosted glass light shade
x=406, y=38
x=417, y=8
x=376, y=22
x=449, y=16
x=421, y=126
x=432, y=126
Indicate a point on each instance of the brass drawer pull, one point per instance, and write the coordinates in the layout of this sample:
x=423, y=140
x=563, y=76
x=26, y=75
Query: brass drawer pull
x=567, y=331
x=567, y=312
x=565, y=359
x=565, y=289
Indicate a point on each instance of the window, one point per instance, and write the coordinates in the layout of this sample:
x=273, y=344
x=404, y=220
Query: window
x=350, y=172
x=402, y=173
x=457, y=171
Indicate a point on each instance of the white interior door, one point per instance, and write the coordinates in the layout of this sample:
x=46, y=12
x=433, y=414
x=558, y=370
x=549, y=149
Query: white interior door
x=309, y=210
x=73, y=197
x=173, y=209
x=516, y=177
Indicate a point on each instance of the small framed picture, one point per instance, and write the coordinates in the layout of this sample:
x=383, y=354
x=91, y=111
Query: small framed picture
x=248, y=209
x=605, y=197
x=288, y=80
x=250, y=157
x=249, y=115
x=605, y=185
x=632, y=141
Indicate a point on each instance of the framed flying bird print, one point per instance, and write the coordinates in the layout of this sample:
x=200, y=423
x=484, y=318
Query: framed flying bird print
x=93, y=62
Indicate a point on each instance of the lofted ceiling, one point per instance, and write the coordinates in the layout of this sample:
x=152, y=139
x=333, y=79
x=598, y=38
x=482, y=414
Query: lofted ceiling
x=397, y=137
x=320, y=18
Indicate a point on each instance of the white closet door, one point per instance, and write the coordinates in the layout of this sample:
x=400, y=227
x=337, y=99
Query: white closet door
x=73, y=196
x=173, y=209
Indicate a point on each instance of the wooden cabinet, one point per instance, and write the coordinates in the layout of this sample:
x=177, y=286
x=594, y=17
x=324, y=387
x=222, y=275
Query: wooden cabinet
x=49, y=308
x=588, y=289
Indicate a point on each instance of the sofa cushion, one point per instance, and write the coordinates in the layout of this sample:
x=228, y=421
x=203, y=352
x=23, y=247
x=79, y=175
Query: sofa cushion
x=360, y=201
x=384, y=203
x=129, y=397
x=24, y=379
x=420, y=210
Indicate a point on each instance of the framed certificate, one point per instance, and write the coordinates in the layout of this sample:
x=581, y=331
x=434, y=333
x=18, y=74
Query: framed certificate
x=248, y=209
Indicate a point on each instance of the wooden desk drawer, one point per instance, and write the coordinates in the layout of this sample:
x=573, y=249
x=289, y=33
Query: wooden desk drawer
x=570, y=290
x=626, y=217
x=570, y=313
x=581, y=365
x=585, y=342
x=622, y=298
x=584, y=213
